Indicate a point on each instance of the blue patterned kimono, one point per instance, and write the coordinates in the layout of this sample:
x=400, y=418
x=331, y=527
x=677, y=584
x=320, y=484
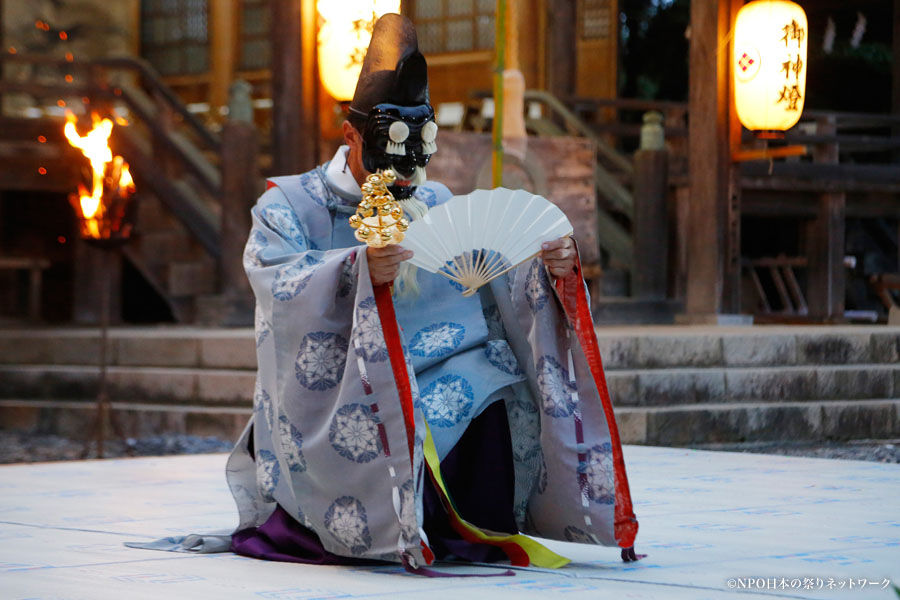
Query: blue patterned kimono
x=329, y=436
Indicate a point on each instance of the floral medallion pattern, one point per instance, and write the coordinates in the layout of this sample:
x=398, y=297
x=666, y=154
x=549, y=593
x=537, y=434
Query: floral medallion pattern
x=409, y=526
x=525, y=429
x=556, y=389
x=313, y=185
x=447, y=401
x=354, y=433
x=346, y=520
x=267, y=474
x=284, y=221
x=320, y=362
x=368, y=331
x=291, y=279
x=262, y=404
x=501, y=356
x=256, y=245
x=291, y=445
x=598, y=466
x=348, y=279
x=536, y=286
x=438, y=339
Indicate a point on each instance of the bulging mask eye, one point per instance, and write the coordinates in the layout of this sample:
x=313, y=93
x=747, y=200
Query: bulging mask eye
x=429, y=133
x=398, y=133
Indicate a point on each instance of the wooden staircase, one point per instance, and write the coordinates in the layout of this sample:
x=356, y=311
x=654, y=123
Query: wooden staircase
x=187, y=183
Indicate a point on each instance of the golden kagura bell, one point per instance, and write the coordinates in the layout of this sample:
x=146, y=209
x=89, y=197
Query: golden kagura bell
x=379, y=218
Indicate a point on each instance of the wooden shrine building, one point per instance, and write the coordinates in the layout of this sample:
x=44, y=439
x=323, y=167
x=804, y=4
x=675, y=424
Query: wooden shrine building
x=217, y=95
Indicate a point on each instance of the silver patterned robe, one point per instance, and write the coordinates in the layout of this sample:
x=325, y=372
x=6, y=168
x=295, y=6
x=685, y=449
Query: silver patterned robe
x=349, y=377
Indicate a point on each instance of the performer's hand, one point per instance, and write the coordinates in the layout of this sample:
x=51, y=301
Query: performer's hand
x=559, y=256
x=384, y=263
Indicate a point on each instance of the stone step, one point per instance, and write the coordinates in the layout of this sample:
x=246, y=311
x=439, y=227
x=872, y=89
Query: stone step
x=709, y=346
x=622, y=348
x=665, y=387
x=636, y=388
x=760, y=422
x=74, y=418
x=215, y=387
x=656, y=426
x=190, y=347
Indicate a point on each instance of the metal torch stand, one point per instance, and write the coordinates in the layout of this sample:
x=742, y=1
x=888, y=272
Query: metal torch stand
x=103, y=412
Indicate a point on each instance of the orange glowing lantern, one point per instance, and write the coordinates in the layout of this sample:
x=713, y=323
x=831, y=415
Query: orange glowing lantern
x=102, y=211
x=344, y=35
x=769, y=64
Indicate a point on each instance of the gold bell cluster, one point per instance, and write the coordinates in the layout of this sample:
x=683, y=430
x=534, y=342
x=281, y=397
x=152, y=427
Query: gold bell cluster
x=379, y=218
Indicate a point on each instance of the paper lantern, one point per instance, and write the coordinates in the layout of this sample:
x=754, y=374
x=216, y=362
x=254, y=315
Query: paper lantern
x=769, y=64
x=344, y=34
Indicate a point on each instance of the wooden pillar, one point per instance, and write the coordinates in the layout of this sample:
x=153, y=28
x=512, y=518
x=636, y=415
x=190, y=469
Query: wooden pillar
x=825, y=241
x=240, y=181
x=294, y=86
x=223, y=20
x=560, y=48
x=708, y=157
x=651, y=227
x=731, y=289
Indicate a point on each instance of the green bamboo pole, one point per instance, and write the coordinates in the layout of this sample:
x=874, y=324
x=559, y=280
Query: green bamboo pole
x=500, y=52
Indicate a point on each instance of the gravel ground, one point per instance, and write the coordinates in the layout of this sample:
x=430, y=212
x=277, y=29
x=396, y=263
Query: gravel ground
x=21, y=448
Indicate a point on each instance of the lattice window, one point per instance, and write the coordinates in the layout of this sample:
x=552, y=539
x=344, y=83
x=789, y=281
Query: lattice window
x=255, y=44
x=174, y=35
x=596, y=19
x=454, y=25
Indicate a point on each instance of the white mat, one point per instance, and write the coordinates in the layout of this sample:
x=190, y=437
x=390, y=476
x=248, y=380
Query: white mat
x=706, y=518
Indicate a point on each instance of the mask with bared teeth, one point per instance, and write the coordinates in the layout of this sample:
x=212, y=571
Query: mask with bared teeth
x=390, y=106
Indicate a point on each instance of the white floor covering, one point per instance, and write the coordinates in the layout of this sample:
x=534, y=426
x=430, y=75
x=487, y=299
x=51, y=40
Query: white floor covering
x=706, y=518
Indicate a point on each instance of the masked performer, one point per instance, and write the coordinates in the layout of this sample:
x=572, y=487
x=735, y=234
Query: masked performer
x=399, y=420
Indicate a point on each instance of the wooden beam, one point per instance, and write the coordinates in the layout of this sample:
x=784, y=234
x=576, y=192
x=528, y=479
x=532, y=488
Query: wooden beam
x=731, y=284
x=560, y=49
x=223, y=20
x=825, y=251
x=825, y=241
x=294, y=122
x=651, y=226
x=240, y=187
x=708, y=151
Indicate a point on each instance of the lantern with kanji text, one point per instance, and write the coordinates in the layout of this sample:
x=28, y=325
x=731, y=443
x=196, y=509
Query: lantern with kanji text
x=344, y=34
x=769, y=65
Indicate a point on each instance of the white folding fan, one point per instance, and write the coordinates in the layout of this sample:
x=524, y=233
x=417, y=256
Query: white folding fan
x=475, y=238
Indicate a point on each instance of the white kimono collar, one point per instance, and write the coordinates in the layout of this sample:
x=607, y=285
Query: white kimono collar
x=339, y=175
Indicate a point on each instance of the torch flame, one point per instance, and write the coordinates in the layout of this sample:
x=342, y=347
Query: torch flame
x=95, y=147
x=125, y=181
